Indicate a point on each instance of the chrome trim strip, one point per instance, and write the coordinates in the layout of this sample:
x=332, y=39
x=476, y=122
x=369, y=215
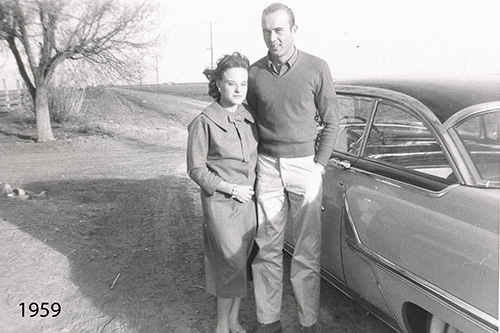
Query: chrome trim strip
x=472, y=313
x=400, y=184
x=386, y=300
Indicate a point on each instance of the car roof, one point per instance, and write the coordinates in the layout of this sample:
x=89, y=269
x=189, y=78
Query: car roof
x=444, y=96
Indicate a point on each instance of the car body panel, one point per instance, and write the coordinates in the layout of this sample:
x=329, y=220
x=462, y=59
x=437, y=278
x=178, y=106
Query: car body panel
x=457, y=246
x=455, y=243
x=331, y=255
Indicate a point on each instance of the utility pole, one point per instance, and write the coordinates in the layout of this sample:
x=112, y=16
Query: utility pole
x=211, y=48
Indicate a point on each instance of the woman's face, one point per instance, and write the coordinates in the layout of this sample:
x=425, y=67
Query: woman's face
x=233, y=86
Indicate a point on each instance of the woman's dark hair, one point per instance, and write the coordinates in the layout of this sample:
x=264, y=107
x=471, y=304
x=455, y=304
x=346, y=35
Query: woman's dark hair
x=228, y=61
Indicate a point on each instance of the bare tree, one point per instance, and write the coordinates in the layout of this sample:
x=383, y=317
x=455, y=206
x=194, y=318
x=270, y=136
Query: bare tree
x=42, y=34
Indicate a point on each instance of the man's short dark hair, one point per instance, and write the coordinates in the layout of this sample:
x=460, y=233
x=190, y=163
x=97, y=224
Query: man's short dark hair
x=277, y=6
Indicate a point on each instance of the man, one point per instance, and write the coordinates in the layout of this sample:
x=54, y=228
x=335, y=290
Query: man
x=288, y=88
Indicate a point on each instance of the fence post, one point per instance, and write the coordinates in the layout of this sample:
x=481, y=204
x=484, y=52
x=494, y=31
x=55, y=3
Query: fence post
x=6, y=94
x=7, y=99
x=18, y=97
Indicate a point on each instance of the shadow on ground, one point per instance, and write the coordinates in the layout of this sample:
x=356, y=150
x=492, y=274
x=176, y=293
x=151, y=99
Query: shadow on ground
x=143, y=238
x=134, y=250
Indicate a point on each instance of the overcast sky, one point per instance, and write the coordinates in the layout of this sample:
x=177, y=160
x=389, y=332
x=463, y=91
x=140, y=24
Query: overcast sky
x=356, y=37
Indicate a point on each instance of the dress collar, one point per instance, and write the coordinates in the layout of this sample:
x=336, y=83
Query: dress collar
x=221, y=117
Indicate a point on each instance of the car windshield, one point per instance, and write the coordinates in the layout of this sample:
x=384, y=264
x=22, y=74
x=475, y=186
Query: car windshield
x=480, y=135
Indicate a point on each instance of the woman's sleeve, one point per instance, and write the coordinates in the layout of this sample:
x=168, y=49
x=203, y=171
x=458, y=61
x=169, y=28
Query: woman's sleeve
x=197, y=152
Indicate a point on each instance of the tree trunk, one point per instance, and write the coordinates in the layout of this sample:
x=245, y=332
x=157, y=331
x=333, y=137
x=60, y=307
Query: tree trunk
x=44, y=130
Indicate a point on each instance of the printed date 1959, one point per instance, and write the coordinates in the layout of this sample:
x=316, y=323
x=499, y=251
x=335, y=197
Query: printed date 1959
x=43, y=309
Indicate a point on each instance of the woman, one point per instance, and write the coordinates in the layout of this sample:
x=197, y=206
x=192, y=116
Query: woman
x=221, y=158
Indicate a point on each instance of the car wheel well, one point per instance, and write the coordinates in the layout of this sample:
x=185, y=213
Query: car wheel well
x=415, y=318
x=419, y=320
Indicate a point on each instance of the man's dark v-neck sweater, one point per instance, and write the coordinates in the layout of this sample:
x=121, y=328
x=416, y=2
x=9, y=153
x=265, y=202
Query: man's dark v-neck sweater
x=286, y=108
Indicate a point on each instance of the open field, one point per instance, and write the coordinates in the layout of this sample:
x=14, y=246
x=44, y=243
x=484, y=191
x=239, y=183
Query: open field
x=190, y=90
x=117, y=243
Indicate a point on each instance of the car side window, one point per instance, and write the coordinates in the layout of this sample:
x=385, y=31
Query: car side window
x=480, y=135
x=354, y=114
x=399, y=138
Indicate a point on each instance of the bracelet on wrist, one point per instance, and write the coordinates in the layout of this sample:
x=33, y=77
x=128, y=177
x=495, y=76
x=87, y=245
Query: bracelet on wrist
x=234, y=191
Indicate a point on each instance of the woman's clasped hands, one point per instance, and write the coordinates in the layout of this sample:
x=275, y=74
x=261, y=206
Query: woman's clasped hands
x=242, y=193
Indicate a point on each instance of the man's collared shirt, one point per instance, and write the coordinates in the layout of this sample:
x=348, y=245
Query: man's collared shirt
x=286, y=66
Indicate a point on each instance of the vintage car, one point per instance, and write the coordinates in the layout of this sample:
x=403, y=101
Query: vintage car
x=411, y=203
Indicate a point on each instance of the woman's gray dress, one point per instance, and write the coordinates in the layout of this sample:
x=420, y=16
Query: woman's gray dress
x=223, y=146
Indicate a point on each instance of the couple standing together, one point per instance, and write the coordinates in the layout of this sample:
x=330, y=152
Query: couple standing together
x=272, y=144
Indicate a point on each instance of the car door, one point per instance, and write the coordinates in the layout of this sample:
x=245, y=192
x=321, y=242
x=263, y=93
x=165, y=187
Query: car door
x=408, y=219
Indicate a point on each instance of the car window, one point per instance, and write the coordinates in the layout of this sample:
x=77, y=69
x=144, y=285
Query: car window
x=354, y=114
x=480, y=136
x=399, y=138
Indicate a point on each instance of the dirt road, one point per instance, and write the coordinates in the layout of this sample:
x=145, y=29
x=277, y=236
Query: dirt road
x=117, y=245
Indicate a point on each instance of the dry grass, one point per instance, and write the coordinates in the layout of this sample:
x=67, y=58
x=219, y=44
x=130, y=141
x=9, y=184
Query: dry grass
x=66, y=103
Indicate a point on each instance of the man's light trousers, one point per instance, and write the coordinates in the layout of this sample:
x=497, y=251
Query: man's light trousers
x=288, y=189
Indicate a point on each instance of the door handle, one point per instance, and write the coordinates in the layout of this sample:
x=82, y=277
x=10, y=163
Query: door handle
x=344, y=164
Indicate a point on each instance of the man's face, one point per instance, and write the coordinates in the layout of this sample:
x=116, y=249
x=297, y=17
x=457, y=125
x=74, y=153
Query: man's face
x=279, y=35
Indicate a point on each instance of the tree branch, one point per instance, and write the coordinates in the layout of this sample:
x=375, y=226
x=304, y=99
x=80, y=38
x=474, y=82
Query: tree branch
x=22, y=70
